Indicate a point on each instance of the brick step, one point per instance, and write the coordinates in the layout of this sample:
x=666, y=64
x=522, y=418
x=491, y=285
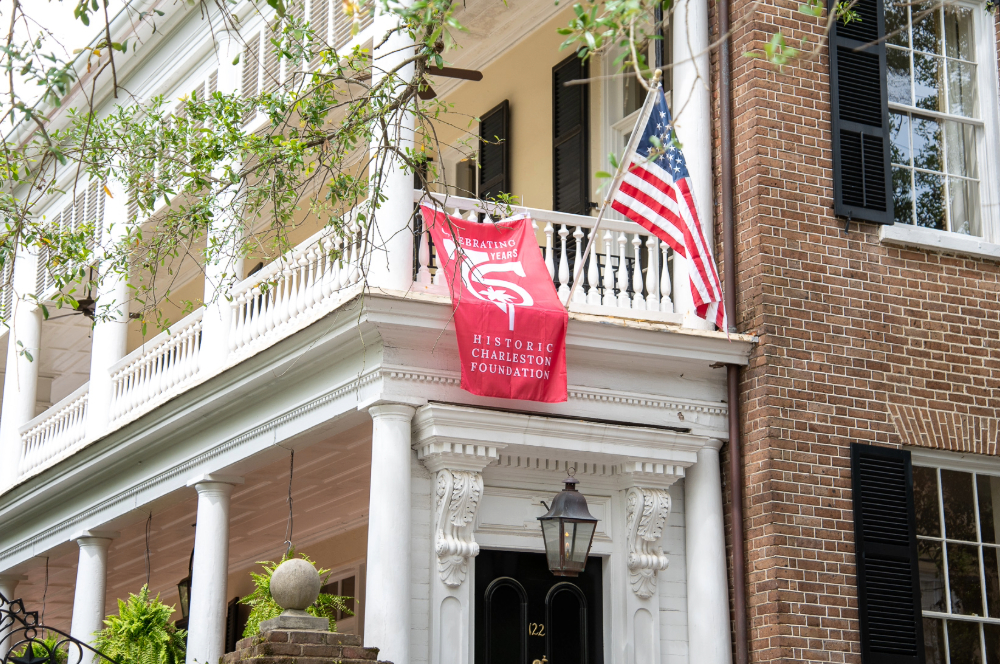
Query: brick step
x=302, y=647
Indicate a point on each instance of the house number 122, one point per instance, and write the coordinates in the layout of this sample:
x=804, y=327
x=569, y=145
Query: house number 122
x=536, y=629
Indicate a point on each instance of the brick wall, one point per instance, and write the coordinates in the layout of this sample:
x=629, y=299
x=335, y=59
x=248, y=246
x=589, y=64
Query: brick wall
x=859, y=342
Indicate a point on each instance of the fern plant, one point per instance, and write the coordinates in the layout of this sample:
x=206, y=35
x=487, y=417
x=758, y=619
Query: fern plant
x=48, y=648
x=263, y=607
x=142, y=633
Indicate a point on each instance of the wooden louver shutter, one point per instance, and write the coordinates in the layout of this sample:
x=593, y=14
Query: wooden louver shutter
x=570, y=138
x=860, y=116
x=886, y=549
x=494, y=151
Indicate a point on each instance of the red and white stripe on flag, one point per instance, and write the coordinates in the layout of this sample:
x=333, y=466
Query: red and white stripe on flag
x=656, y=194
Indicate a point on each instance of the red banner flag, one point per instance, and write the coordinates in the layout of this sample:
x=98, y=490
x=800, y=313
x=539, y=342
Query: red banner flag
x=510, y=323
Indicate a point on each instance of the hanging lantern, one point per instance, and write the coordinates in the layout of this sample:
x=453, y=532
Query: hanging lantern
x=568, y=531
x=184, y=591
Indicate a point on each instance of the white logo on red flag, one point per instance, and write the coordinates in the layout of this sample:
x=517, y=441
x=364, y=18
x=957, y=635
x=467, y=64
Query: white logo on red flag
x=504, y=352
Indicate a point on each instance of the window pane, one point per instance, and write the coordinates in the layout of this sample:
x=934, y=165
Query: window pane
x=927, y=145
x=992, y=634
x=902, y=195
x=930, y=562
x=963, y=642
x=928, y=82
x=897, y=23
x=934, y=641
x=963, y=206
x=959, y=33
x=927, y=27
x=962, y=97
x=898, y=62
x=992, y=578
x=961, y=156
x=989, y=493
x=963, y=579
x=925, y=501
x=900, y=138
x=959, y=508
x=929, y=190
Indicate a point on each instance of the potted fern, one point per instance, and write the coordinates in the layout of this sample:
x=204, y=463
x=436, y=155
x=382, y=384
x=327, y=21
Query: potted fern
x=142, y=633
x=263, y=607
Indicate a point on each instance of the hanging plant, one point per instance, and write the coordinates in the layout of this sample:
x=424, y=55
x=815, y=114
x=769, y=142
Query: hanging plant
x=263, y=607
x=142, y=633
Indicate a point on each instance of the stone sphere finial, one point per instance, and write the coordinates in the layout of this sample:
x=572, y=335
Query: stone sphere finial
x=295, y=584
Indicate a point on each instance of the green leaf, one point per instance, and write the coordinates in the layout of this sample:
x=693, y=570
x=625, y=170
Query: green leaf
x=236, y=60
x=602, y=174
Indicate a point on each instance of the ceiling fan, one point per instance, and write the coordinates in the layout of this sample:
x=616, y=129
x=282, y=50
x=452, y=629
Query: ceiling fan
x=426, y=92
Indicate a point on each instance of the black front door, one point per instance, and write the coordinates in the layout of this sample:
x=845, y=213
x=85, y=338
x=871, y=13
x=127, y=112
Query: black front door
x=525, y=614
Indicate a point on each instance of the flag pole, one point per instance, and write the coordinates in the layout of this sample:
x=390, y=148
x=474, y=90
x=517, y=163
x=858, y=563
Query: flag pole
x=623, y=164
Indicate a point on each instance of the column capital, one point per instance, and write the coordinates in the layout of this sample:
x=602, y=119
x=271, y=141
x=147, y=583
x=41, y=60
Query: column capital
x=84, y=537
x=392, y=411
x=208, y=481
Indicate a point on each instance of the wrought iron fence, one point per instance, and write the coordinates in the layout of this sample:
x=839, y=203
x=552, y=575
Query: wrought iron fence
x=24, y=640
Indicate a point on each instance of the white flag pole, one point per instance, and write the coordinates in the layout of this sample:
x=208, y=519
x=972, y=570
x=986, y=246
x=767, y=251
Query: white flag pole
x=623, y=164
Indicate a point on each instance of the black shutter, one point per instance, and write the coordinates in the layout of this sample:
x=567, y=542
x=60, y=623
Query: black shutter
x=570, y=138
x=494, y=151
x=233, y=631
x=862, y=178
x=885, y=541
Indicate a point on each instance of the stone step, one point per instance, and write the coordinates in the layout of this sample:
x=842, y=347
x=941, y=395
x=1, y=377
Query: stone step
x=302, y=647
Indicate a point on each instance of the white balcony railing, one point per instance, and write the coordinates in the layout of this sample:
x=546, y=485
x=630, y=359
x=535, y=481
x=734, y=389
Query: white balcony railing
x=612, y=284
x=56, y=433
x=628, y=275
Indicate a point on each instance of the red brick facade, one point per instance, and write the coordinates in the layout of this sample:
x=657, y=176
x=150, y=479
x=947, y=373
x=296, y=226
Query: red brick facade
x=859, y=342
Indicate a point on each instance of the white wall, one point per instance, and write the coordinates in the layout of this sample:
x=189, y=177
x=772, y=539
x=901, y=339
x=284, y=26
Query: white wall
x=421, y=488
x=673, y=587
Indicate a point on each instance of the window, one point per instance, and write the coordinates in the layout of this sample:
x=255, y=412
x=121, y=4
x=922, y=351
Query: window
x=937, y=133
x=958, y=541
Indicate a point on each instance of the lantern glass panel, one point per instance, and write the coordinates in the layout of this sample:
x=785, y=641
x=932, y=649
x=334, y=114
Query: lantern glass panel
x=184, y=596
x=578, y=535
x=550, y=531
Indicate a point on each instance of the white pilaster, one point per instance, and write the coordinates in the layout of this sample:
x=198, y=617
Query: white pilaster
x=387, y=616
x=458, y=491
x=210, y=569
x=91, y=584
x=390, y=264
x=692, y=110
x=225, y=266
x=705, y=550
x=8, y=586
x=110, y=337
x=20, y=383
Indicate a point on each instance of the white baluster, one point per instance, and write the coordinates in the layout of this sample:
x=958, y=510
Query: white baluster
x=424, y=258
x=609, y=275
x=622, y=281
x=563, y=264
x=549, y=264
x=333, y=269
x=593, y=274
x=638, y=301
x=356, y=255
x=579, y=295
x=652, y=274
x=665, y=303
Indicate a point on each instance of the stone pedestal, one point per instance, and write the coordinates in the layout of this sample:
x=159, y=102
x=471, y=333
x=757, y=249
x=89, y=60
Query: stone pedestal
x=288, y=646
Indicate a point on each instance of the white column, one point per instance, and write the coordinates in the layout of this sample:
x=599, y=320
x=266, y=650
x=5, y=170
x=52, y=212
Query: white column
x=705, y=552
x=21, y=376
x=210, y=569
x=387, y=616
x=8, y=586
x=91, y=584
x=692, y=109
x=110, y=337
x=225, y=268
x=390, y=265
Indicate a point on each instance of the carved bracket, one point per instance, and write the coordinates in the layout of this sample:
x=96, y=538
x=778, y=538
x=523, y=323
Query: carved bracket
x=458, y=496
x=646, y=513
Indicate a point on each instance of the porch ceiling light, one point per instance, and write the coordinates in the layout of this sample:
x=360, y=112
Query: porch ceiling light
x=184, y=591
x=568, y=531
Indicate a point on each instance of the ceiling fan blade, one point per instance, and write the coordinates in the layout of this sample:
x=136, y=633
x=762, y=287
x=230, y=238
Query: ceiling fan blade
x=454, y=72
x=425, y=91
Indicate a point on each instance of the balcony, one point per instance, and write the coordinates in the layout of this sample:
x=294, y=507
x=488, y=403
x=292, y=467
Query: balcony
x=305, y=285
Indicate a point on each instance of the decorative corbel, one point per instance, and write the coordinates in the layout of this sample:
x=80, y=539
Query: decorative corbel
x=646, y=513
x=458, y=495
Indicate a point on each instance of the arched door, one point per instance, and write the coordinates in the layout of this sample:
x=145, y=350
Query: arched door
x=524, y=614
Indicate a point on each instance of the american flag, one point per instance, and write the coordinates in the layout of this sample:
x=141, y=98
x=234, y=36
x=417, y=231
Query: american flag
x=656, y=194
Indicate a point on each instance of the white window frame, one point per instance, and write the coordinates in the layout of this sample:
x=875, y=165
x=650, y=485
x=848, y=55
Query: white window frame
x=967, y=463
x=988, y=147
